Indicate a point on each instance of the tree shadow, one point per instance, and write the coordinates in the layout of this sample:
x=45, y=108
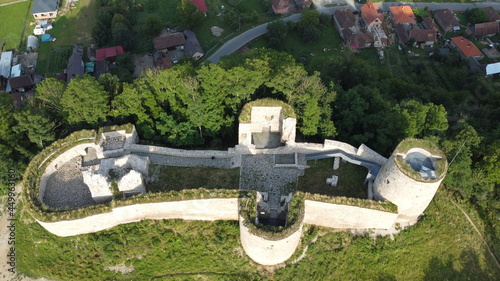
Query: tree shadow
x=469, y=268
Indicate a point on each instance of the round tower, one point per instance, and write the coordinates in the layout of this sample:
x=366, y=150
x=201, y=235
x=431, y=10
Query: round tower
x=411, y=177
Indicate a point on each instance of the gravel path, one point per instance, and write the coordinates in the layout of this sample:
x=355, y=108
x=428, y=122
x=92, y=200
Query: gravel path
x=65, y=188
x=259, y=173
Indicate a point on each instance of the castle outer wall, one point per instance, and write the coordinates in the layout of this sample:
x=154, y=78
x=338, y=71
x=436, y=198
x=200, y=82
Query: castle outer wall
x=204, y=209
x=346, y=217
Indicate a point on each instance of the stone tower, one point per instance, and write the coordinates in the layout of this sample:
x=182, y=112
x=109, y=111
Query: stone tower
x=410, y=178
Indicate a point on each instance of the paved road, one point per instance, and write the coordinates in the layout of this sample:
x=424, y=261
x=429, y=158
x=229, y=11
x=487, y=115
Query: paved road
x=247, y=36
x=241, y=40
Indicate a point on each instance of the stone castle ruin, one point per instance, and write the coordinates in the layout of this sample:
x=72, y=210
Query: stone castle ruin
x=270, y=163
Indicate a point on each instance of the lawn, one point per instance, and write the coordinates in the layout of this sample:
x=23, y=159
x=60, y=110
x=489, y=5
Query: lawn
x=13, y=18
x=168, y=178
x=71, y=27
x=350, y=184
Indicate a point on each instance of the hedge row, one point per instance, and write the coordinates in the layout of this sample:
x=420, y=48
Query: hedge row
x=385, y=206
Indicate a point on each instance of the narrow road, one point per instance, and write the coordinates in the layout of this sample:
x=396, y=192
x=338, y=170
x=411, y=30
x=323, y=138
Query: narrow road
x=239, y=41
x=13, y=2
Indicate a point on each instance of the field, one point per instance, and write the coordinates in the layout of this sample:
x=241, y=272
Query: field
x=442, y=246
x=73, y=27
x=11, y=29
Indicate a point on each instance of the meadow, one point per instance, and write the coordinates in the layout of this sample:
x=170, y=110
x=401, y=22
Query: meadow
x=13, y=18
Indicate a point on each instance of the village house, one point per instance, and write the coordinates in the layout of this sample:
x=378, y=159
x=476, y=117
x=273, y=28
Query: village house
x=402, y=32
x=373, y=21
x=446, y=19
x=169, y=42
x=192, y=47
x=21, y=83
x=423, y=37
x=362, y=40
x=44, y=9
x=345, y=21
x=403, y=15
x=371, y=17
x=466, y=47
x=492, y=14
x=200, y=4
x=161, y=61
x=429, y=23
x=485, y=29
x=109, y=54
x=75, y=64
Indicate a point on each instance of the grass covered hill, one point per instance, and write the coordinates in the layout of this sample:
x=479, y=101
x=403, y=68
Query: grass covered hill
x=442, y=246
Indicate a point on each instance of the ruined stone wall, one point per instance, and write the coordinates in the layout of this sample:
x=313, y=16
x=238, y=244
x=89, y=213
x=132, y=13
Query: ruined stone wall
x=204, y=209
x=138, y=148
x=268, y=252
x=344, y=216
x=63, y=159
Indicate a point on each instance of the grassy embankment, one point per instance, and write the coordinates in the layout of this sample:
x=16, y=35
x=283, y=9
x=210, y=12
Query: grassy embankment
x=442, y=246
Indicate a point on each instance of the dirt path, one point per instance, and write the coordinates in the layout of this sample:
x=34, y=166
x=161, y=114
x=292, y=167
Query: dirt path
x=475, y=228
x=13, y=2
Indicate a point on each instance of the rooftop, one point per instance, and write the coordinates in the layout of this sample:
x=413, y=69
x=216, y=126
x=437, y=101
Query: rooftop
x=105, y=53
x=403, y=14
x=369, y=12
x=466, y=46
x=168, y=40
x=44, y=6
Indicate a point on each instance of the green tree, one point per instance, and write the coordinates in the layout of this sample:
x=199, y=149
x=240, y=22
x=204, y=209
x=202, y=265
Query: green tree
x=36, y=125
x=153, y=25
x=119, y=21
x=177, y=133
x=100, y=33
x=309, y=33
x=188, y=15
x=309, y=17
x=125, y=37
x=276, y=32
x=491, y=162
x=477, y=15
x=85, y=101
x=49, y=93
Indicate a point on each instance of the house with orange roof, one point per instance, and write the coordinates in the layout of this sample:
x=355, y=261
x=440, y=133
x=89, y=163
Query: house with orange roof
x=403, y=15
x=369, y=13
x=467, y=48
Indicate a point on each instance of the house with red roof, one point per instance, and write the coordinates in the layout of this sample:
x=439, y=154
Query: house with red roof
x=403, y=15
x=369, y=13
x=466, y=47
x=200, y=4
x=109, y=54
